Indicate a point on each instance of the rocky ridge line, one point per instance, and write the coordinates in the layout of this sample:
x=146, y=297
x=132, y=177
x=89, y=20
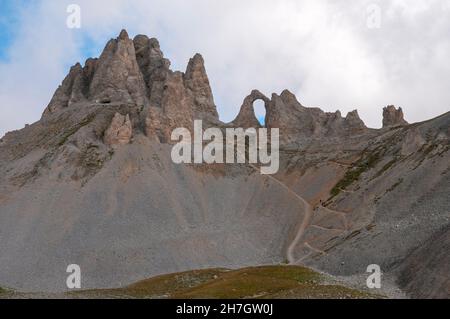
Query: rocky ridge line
x=136, y=72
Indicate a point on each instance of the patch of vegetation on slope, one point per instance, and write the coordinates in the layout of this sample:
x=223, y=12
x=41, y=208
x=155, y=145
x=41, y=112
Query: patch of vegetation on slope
x=393, y=187
x=255, y=282
x=4, y=291
x=75, y=128
x=353, y=174
x=385, y=168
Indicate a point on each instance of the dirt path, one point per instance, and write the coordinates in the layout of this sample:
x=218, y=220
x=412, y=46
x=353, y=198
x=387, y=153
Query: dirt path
x=307, y=219
x=308, y=215
x=305, y=223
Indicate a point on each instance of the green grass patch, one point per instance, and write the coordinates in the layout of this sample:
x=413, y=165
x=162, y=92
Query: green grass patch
x=160, y=286
x=254, y=282
x=385, y=168
x=354, y=173
x=4, y=291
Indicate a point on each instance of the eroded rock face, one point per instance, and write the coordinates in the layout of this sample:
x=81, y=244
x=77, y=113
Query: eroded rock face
x=118, y=77
x=120, y=131
x=393, y=117
x=413, y=142
x=185, y=97
x=353, y=123
x=197, y=84
x=176, y=110
x=154, y=67
x=136, y=72
x=246, y=117
x=114, y=77
x=74, y=88
x=296, y=121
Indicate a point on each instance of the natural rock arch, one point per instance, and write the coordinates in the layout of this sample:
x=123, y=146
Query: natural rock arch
x=246, y=117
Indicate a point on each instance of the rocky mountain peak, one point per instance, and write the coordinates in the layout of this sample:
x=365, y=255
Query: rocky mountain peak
x=354, y=122
x=290, y=98
x=135, y=72
x=118, y=77
x=197, y=82
x=123, y=35
x=393, y=116
x=296, y=121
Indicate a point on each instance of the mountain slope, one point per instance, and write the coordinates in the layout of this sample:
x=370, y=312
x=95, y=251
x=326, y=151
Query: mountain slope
x=93, y=183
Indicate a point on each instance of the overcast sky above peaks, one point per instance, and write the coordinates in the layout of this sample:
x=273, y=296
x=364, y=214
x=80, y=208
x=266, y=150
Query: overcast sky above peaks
x=345, y=55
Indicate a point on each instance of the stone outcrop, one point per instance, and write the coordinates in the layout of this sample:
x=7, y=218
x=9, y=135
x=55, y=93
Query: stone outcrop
x=198, y=88
x=74, y=88
x=296, y=121
x=176, y=110
x=120, y=131
x=135, y=72
x=118, y=77
x=154, y=67
x=393, y=117
x=185, y=97
x=114, y=77
x=246, y=117
x=353, y=123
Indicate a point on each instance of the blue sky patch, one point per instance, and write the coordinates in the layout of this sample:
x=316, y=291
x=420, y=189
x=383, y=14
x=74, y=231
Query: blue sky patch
x=9, y=10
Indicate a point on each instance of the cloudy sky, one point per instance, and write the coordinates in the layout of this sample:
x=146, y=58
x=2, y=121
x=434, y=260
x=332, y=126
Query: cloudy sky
x=345, y=55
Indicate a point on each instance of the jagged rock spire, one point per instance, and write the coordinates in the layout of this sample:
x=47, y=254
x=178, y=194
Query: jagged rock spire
x=154, y=67
x=114, y=77
x=74, y=88
x=135, y=72
x=197, y=82
x=393, y=116
x=123, y=35
x=62, y=95
x=118, y=77
x=353, y=122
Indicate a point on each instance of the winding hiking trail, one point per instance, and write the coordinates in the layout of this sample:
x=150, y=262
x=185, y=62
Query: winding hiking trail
x=308, y=214
x=306, y=222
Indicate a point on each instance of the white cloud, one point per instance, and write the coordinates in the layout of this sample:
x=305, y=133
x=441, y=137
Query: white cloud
x=320, y=50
